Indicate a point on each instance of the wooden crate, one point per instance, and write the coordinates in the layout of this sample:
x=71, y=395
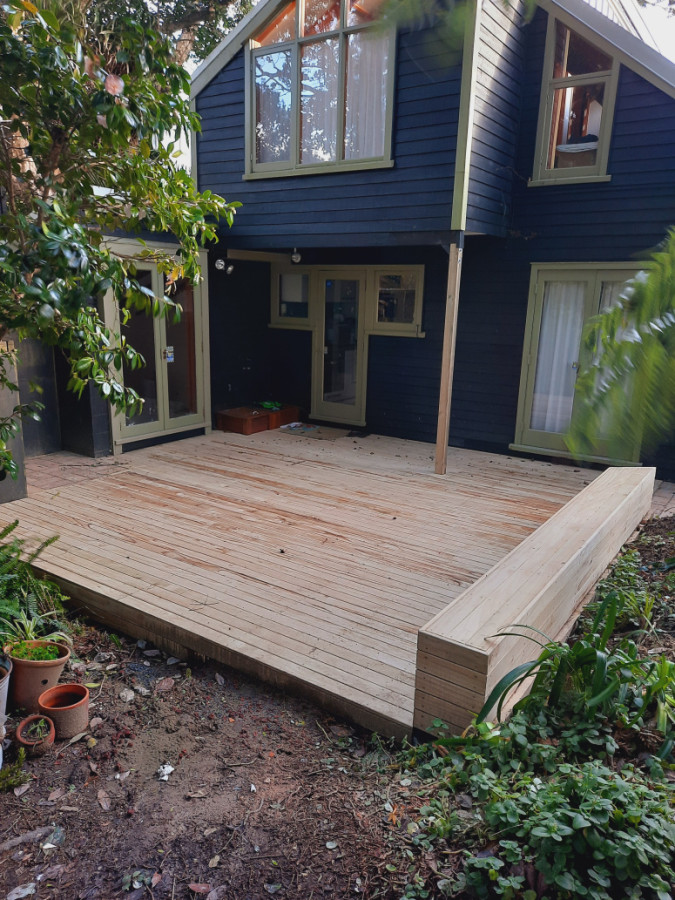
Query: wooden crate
x=283, y=416
x=242, y=420
x=542, y=583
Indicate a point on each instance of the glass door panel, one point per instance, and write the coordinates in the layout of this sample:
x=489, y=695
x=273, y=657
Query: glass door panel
x=179, y=355
x=338, y=373
x=341, y=326
x=141, y=333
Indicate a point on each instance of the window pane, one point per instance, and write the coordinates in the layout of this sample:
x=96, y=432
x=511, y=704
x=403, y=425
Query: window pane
x=181, y=362
x=273, y=81
x=280, y=29
x=319, y=103
x=575, y=56
x=341, y=341
x=362, y=11
x=140, y=333
x=366, y=94
x=294, y=295
x=577, y=116
x=396, y=298
x=562, y=321
x=321, y=16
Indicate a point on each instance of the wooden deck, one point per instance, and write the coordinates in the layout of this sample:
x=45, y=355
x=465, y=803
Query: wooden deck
x=310, y=563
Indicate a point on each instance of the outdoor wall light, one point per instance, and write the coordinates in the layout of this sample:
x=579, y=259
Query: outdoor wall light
x=295, y=256
x=220, y=264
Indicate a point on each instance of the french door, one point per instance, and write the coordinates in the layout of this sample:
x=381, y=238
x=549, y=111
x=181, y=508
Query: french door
x=339, y=348
x=172, y=381
x=562, y=300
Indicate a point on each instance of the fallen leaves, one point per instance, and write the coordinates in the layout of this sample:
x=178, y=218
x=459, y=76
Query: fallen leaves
x=165, y=684
x=104, y=800
x=220, y=679
x=213, y=862
x=18, y=791
x=199, y=887
x=126, y=695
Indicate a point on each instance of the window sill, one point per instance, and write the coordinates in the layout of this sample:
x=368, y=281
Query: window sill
x=297, y=325
x=320, y=170
x=579, y=179
x=379, y=332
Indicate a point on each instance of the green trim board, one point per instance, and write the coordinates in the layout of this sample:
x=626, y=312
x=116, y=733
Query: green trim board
x=460, y=195
x=586, y=283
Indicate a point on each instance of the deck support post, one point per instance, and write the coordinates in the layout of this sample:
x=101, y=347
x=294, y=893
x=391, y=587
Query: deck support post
x=448, y=353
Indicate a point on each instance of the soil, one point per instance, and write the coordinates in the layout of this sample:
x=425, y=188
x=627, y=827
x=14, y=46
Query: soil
x=269, y=796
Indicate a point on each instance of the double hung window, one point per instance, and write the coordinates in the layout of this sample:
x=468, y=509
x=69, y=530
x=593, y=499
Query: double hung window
x=320, y=89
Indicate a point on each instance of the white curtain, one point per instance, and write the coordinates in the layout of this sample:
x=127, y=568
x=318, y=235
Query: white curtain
x=319, y=99
x=562, y=322
x=366, y=94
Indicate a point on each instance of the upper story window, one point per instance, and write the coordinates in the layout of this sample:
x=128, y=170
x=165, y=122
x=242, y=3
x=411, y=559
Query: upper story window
x=577, y=104
x=320, y=89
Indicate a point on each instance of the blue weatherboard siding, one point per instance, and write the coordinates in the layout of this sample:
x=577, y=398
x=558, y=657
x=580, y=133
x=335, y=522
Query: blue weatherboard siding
x=407, y=204
x=496, y=116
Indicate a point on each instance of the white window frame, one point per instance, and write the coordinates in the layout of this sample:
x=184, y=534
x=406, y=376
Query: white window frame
x=541, y=175
x=593, y=274
x=370, y=275
x=254, y=169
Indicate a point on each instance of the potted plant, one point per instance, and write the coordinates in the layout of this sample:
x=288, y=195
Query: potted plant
x=36, y=734
x=37, y=665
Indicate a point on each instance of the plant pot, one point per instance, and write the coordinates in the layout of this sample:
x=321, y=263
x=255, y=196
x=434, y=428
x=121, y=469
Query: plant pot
x=31, y=677
x=35, y=746
x=68, y=706
x=5, y=673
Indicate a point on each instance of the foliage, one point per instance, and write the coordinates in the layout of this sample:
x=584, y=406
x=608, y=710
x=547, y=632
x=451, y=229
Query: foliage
x=590, y=679
x=194, y=27
x=585, y=832
x=85, y=151
x=23, y=628
x=22, y=650
x=625, y=392
x=29, y=605
x=37, y=730
x=13, y=776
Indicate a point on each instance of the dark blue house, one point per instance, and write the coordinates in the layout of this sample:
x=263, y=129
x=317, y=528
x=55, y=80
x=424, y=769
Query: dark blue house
x=426, y=228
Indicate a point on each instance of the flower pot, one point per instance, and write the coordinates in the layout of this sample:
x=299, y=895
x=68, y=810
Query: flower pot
x=35, y=746
x=68, y=706
x=5, y=672
x=30, y=677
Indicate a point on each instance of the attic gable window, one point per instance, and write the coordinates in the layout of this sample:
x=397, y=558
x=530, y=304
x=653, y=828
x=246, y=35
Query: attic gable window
x=577, y=103
x=320, y=89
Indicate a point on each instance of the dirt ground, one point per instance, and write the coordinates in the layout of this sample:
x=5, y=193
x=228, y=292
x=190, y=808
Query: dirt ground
x=269, y=795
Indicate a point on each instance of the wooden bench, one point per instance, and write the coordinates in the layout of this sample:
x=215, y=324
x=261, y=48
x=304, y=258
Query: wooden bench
x=542, y=583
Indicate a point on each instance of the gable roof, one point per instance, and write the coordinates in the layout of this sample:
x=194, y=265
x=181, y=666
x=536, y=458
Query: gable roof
x=633, y=50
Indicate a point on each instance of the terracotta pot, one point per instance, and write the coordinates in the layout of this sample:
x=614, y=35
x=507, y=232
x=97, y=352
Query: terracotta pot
x=5, y=672
x=35, y=746
x=68, y=706
x=31, y=677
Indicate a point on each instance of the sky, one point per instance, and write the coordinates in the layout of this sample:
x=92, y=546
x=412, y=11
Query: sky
x=662, y=27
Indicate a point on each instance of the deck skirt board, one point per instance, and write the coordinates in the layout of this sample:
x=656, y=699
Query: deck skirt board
x=182, y=543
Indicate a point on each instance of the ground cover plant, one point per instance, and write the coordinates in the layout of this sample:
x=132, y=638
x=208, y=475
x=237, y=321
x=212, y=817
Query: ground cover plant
x=573, y=797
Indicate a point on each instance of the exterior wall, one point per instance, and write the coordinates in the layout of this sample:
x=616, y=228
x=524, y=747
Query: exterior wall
x=496, y=116
x=619, y=220
x=407, y=204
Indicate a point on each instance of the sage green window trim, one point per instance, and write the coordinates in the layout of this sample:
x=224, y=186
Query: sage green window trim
x=593, y=277
x=584, y=179
x=370, y=276
x=325, y=169
x=609, y=78
x=284, y=168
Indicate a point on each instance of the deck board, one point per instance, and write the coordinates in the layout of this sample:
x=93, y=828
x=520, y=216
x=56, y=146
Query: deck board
x=183, y=541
